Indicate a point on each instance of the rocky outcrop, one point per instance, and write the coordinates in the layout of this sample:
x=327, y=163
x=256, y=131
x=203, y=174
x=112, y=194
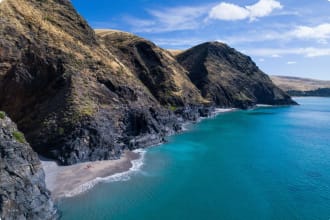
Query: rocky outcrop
x=78, y=96
x=72, y=98
x=157, y=69
x=23, y=193
x=229, y=78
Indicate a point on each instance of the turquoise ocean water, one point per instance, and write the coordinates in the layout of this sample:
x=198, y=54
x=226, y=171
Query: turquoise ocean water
x=268, y=163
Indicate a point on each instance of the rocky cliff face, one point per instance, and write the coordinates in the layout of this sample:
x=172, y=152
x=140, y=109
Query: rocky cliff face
x=157, y=69
x=23, y=194
x=229, y=78
x=79, y=97
x=72, y=98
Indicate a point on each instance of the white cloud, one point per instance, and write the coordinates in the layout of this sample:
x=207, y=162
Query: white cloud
x=307, y=52
x=170, y=19
x=262, y=60
x=321, y=31
x=319, y=34
x=291, y=62
x=178, y=43
x=322, y=41
x=275, y=56
x=193, y=17
x=263, y=8
x=228, y=11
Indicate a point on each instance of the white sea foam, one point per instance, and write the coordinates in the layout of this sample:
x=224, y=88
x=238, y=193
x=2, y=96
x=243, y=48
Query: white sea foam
x=186, y=126
x=136, y=164
x=124, y=176
x=223, y=110
x=264, y=105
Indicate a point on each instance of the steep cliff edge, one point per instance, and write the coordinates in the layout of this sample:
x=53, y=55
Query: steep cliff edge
x=23, y=193
x=229, y=78
x=167, y=80
x=72, y=98
x=78, y=96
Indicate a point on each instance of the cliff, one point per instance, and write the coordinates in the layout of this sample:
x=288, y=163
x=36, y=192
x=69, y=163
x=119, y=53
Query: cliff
x=71, y=97
x=167, y=80
x=23, y=193
x=81, y=96
x=229, y=78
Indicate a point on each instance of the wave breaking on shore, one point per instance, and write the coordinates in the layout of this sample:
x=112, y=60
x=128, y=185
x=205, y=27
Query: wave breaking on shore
x=187, y=125
x=123, y=176
x=69, y=181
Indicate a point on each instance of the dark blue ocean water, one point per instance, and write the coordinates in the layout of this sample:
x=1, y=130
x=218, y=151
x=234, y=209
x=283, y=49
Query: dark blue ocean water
x=268, y=163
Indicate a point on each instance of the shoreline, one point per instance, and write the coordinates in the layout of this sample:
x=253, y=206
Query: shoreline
x=69, y=181
x=217, y=111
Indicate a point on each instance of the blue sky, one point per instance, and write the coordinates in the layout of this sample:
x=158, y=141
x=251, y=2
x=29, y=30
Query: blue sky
x=284, y=37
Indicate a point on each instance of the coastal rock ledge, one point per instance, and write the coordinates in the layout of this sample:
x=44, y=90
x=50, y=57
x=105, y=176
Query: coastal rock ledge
x=23, y=193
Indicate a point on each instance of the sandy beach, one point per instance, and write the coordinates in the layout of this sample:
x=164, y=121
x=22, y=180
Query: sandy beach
x=66, y=181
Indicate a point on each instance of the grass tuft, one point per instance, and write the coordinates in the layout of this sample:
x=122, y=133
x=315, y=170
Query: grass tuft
x=60, y=131
x=2, y=115
x=172, y=108
x=19, y=136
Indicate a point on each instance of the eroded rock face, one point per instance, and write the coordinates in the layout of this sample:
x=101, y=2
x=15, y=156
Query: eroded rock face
x=229, y=78
x=155, y=67
x=23, y=193
x=78, y=96
x=70, y=96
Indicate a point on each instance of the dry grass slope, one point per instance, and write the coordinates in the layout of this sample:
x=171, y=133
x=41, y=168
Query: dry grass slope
x=175, y=52
x=56, y=36
x=299, y=84
x=177, y=75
